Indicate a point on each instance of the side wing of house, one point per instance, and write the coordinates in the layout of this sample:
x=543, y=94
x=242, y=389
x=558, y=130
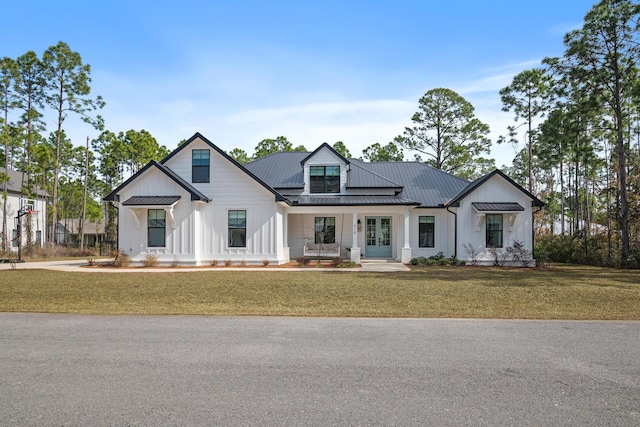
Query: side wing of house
x=199, y=205
x=243, y=220
x=494, y=214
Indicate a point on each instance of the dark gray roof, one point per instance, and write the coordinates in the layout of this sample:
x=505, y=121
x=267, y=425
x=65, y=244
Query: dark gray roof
x=15, y=182
x=497, y=207
x=195, y=193
x=151, y=201
x=413, y=182
x=455, y=201
x=280, y=170
x=350, y=200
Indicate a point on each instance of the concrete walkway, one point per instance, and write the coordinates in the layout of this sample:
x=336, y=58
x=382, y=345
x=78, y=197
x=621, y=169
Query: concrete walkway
x=82, y=266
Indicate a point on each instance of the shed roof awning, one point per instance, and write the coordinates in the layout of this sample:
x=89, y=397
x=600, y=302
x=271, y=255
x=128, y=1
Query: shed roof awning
x=497, y=207
x=151, y=201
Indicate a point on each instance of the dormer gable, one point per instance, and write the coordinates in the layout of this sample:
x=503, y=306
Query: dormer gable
x=325, y=171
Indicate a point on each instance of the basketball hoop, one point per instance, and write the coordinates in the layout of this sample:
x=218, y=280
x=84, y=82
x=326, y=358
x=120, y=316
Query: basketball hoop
x=30, y=212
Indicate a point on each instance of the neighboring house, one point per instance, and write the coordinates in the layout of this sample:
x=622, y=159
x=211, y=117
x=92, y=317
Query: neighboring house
x=198, y=204
x=17, y=200
x=68, y=232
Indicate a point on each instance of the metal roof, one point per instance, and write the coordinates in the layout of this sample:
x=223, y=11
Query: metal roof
x=343, y=200
x=151, y=201
x=497, y=207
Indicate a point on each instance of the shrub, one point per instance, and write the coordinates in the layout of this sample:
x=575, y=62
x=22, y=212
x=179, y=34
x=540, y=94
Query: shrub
x=91, y=261
x=243, y=263
x=227, y=263
x=303, y=260
x=213, y=262
x=336, y=261
x=122, y=259
x=443, y=261
x=418, y=261
x=265, y=262
x=520, y=254
x=472, y=253
x=150, y=260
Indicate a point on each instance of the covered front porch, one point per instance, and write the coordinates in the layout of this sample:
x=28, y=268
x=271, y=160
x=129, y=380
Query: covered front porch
x=371, y=232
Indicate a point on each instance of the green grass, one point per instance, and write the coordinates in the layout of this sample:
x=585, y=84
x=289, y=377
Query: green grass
x=566, y=292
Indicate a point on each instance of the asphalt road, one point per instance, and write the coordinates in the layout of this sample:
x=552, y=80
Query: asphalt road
x=169, y=370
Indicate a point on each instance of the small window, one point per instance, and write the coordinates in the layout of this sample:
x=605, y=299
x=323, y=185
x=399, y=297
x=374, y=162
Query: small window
x=494, y=230
x=325, y=229
x=237, y=229
x=324, y=179
x=156, y=228
x=39, y=237
x=200, y=166
x=14, y=238
x=427, y=231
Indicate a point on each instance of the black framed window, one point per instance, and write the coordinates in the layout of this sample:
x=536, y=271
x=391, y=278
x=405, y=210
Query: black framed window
x=324, y=179
x=237, y=228
x=156, y=228
x=325, y=229
x=494, y=230
x=200, y=166
x=427, y=231
x=14, y=238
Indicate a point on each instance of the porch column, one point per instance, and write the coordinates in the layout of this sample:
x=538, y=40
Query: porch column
x=355, y=249
x=406, y=249
x=285, y=232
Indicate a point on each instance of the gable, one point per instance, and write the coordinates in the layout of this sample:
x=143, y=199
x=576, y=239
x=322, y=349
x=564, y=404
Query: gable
x=225, y=172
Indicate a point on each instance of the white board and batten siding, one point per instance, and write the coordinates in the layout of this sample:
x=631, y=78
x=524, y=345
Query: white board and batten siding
x=230, y=188
x=179, y=234
x=444, y=229
x=472, y=230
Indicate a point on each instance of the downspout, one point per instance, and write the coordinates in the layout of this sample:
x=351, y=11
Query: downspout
x=455, y=234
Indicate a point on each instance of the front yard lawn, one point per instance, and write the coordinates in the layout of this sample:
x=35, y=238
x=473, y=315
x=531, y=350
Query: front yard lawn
x=565, y=292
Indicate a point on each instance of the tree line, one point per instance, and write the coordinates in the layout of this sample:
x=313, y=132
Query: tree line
x=578, y=113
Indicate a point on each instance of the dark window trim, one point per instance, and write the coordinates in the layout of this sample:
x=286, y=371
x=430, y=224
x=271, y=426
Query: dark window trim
x=499, y=232
x=327, y=234
x=432, y=231
x=236, y=226
x=156, y=226
x=324, y=184
x=200, y=167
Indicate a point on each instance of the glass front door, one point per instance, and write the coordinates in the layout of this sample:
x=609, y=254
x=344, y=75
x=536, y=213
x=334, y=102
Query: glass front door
x=378, y=237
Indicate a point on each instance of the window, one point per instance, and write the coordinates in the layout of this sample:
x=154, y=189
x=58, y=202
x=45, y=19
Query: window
x=14, y=238
x=324, y=179
x=38, y=237
x=494, y=230
x=427, y=231
x=237, y=229
x=325, y=229
x=200, y=166
x=156, y=227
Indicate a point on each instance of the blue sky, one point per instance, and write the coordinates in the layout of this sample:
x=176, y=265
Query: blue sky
x=241, y=71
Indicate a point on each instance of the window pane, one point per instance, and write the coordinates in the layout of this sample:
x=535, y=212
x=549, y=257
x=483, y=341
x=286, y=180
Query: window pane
x=426, y=230
x=200, y=166
x=316, y=171
x=156, y=227
x=325, y=230
x=237, y=223
x=494, y=230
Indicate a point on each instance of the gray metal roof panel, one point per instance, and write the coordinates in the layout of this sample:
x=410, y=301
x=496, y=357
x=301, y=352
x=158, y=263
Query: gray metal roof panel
x=497, y=207
x=151, y=201
x=341, y=200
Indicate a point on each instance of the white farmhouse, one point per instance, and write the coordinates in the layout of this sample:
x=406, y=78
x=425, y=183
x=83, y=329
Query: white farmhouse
x=198, y=205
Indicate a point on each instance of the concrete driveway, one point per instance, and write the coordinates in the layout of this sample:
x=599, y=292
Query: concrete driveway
x=170, y=370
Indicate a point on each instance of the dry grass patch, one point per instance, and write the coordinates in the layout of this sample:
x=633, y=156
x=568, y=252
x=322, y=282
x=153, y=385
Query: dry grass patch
x=568, y=292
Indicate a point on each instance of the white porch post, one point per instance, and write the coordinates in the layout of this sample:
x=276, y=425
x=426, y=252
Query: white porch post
x=355, y=249
x=285, y=232
x=406, y=249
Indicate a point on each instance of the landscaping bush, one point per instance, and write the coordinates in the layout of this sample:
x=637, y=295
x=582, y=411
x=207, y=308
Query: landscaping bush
x=122, y=259
x=150, y=260
x=303, y=260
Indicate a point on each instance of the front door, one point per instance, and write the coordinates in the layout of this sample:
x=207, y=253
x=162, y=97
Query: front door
x=378, y=237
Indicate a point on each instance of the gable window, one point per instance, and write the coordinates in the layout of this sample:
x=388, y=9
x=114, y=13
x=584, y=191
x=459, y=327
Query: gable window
x=200, y=166
x=324, y=179
x=237, y=229
x=427, y=231
x=494, y=230
x=325, y=229
x=156, y=228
